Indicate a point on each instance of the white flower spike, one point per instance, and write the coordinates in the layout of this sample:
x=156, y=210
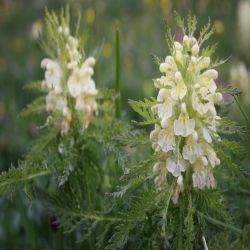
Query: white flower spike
x=74, y=85
x=188, y=118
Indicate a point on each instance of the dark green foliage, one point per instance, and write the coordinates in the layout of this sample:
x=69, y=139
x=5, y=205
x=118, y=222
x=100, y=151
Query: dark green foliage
x=35, y=108
x=228, y=127
x=143, y=108
x=132, y=138
x=14, y=176
x=230, y=90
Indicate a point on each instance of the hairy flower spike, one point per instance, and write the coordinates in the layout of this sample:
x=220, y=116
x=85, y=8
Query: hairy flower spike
x=70, y=81
x=188, y=118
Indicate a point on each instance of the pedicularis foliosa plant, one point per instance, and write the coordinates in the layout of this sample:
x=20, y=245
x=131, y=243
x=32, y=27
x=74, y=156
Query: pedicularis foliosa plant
x=174, y=198
x=171, y=197
x=72, y=163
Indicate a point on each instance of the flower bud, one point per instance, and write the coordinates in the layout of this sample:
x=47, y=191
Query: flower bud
x=195, y=50
x=178, y=46
x=156, y=167
x=180, y=180
x=163, y=67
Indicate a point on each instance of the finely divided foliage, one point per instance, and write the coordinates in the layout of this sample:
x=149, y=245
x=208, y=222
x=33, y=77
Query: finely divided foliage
x=189, y=139
x=72, y=154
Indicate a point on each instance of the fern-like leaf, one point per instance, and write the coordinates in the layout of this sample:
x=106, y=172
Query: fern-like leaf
x=10, y=180
x=143, y=108
x=34, y=108
x=230, y=90
x=132, y=138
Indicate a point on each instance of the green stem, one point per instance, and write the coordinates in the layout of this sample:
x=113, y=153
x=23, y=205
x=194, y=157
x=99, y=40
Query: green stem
x=117, y=76
x=72, y=240
x=61, y=240
x=180, y=229
x=97, y=217
x=102, y=218
x=220, y=223
x=242, y=111
x=33, y=233
x=170, y=193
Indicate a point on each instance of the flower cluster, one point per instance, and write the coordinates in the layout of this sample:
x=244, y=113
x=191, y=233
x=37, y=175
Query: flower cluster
x=188, y=118
x=69, y=83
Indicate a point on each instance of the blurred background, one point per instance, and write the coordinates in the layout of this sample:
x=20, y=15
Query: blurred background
x=142, y=25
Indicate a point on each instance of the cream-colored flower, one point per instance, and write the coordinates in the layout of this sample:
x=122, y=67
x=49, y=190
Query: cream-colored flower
x=74, y=84
x=180, y=90
x=160, y=169
x=169, y=66
x=192, y=149
x=203, y=176
x=203, y=63
x=210, y=154
x=178, y=189
x=165, y=108
x=188, y=118
x=166, y=138
x=206, y=135
x=184, y=126
x=154, y=134
x=88, y=105
x=74, y=55
x=176, y=165
x=80, y=81
x=163, y=82
x=53, y=74
x=55, y=101
x=178, y=46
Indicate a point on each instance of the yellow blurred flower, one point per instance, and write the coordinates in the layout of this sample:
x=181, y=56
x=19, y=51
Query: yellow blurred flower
x=243, y=26
x=150, y=2
x=90, y=15
x=18, y=44
x=240, y=78
x=166, y=6
x=218, y=27
x=7, y=9
x=36, y=29
x=128, y=62
x=107, y=50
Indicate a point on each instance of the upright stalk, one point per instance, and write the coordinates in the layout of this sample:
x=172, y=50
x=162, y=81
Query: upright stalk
x=242, y=111
x=33, y=235
x=117, y=75
x=220, y=223
x=61, y=240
